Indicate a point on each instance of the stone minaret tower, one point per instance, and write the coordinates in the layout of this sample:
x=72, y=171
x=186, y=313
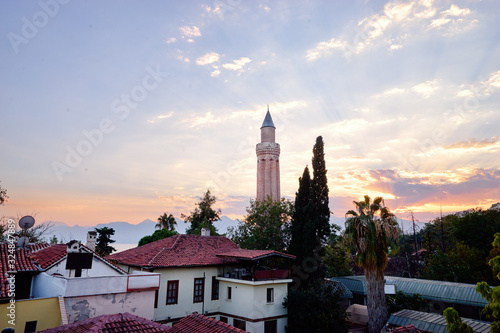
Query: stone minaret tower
x=268, y=162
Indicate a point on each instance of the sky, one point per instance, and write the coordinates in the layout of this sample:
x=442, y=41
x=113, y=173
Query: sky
x=123, y=110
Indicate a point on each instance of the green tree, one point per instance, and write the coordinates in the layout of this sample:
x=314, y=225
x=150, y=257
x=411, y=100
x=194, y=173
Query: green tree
x=372, y=230
x=402, y=301
x=492, y=294
x=265, y=227
x=319, y=186
x=303, y=234
x=203, y=216
x=315, y=309
x=3, y=195
x=102, y=246
x=157, y=235
x=166, y=222
x=455, y=323
x=337, y=257
x=54, y=240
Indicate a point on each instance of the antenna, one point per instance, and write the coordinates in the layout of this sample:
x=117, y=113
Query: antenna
x=25, y=223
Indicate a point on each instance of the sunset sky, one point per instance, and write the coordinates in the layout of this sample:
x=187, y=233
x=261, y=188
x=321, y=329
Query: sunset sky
x=123, y=110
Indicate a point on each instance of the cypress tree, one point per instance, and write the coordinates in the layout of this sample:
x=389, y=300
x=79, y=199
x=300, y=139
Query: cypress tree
x=300, y=244
x=319, y=185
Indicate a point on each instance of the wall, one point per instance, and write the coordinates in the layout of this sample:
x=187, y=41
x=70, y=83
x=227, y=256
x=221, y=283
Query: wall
x=45, y=311
x=139, y=303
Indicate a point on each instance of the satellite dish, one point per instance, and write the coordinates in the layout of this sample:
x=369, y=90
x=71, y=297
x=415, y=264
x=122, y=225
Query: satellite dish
x=26, y=222
x=23, y=242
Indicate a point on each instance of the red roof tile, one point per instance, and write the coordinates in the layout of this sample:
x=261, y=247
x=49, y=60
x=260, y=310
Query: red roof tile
x=114, y=323
x=177, y=251
x=22, y=264
x=254, y=254
x=49, y=255
x=197, y=323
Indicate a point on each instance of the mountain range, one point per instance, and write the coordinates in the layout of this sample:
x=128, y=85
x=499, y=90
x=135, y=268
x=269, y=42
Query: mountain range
x=127, y=235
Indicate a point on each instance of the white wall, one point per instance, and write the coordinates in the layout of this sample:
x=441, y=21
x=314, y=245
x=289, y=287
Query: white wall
x=137, y=303
x=48, y=286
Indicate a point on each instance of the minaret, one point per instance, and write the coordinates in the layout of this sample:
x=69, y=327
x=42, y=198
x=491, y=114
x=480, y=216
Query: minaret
x=268, y=162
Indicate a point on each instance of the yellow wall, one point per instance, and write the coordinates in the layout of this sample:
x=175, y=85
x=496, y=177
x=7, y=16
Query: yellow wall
x=44, y=310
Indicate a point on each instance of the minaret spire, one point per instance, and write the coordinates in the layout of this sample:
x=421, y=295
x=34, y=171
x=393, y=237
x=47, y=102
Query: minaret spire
x=268, y=170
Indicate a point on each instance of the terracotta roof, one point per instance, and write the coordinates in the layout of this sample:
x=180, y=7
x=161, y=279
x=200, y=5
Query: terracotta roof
x=254, y=254
x=177, y=251
x=23, y=263
x=197, y=323
x=49, y=255
x=114, y=323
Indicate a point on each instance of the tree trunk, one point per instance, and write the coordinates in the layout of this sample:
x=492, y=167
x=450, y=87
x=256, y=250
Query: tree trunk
x=377, y=309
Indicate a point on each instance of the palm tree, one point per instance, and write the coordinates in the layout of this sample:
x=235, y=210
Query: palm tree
x=166, y=222
x=372, y=229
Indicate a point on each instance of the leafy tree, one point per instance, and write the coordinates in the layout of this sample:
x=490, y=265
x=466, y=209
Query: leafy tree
x=157, y=235
x=3, y=195
x=372, y=229
x=102, y=246
x=166, y=222
x=492, y=295
x=337, y=257
x=265, y=227
x=402, y=301
x=455, y=323
x=54, y=240
x=315, y=309
x=203, y=216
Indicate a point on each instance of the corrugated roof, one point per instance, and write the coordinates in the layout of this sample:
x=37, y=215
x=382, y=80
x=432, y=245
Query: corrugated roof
x=345, y=292
x=443, y=291
x=254, y=254
x=432, y=322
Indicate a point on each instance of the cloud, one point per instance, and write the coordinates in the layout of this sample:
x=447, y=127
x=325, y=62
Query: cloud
x=474, y=144
x=208, y=58
x=161, y=117
x=215, y=73
x=426, y=89
x=238, y=64
x=171, y=40
x=201, y=121
x=190, y=31
x=392, y=25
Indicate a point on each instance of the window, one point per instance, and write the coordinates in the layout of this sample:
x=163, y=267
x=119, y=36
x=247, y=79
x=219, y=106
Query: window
x=223, y=319
x=156, y=299
x=215, y=288
x=271, y=326
x=199, y=290
x=78, y=272
x=172, y=292
x=228, y=292
x=241, y=324
x=270, y=295
x=30, y=327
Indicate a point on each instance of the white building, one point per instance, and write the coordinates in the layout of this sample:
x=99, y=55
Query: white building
x=213, y=276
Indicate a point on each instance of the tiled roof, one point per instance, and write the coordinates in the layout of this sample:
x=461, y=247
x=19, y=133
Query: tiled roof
x=177, y=251
x=254, y=254
x=49, y=255
x=22, y=264
x=197, y=323
x=114, y=323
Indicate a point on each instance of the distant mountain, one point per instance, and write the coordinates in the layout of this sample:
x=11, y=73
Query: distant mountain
x=127, y=233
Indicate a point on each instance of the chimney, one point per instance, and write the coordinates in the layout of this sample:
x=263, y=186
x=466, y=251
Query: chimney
x=205, y=231
x=73, y=246
x=91, y=239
